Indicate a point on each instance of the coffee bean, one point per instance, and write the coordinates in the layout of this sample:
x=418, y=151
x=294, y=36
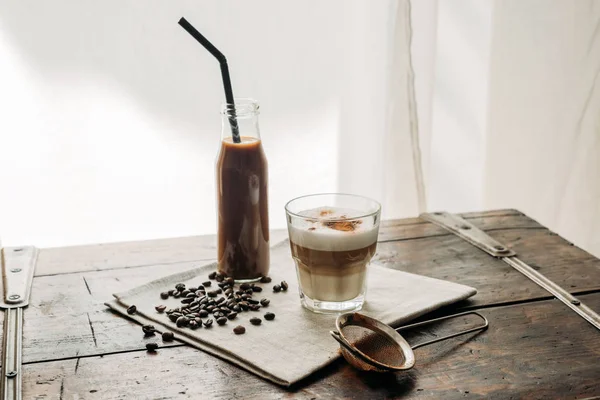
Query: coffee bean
x=232, y=315
x=230, y=281
x=192, y=289
x=239, y=292
x=245, y=286
x=236, y=308
x=256, y=289
x=265, y=279
x=225, y=310
x=239, y=330
x=284, y=285
x=207, y=283
x=252, y=301
x=195, y=308
x=211, y=302
x=203, y=313
x=193, y=325
x=190, y=295
x=174, y=316
x=177, y=294
x=249, y=292
x=221, y=320
x=182, y=321
x=212, y=293
x=208, y=323
x=171, y=292
x=212, y=275
x=245, y=297
x=269, y=316
x=219, y=291
x=276, y=288
x=210, y=308
x=254, y=307
x=148, y=330
x=160, y=308
x=185, y=292
x=180, y=287
x=255, y=321
x=164, y=295
x=265, y=302
x=229, y=292
x=131, y=309
x=222, y=285
x=198, y=321
x=217, y=314
x=203, y=299
x=187, y=300
x=168, y=336
x=151, y=347
x=220, y=300
x=220, y=278
x=243, y=305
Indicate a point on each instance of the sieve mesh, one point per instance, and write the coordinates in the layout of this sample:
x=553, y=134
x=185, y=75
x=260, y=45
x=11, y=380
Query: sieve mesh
x=375, y=345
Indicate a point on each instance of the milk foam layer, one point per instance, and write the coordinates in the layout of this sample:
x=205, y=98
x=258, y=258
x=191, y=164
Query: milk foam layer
x=317, y=235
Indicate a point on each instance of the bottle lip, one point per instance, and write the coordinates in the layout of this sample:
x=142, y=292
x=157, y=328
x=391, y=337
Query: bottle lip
x=244, y=107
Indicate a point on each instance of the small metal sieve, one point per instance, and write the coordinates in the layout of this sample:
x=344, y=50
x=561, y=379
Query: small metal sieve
x=371, y=345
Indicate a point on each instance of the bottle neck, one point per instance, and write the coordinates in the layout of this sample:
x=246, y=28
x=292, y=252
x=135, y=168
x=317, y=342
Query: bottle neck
x=245, y=116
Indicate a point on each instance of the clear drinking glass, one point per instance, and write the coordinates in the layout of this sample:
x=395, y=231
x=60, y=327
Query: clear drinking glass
x=333, y=238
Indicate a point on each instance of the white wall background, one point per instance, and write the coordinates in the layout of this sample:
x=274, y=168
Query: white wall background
x=110, y=111
x=109, y=119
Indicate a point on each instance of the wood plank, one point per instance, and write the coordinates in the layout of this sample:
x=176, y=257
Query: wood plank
x=76, y=300
x=105, y=256
x=401, y=230
x=203, y=248
x=451, y=258
x=534, y=350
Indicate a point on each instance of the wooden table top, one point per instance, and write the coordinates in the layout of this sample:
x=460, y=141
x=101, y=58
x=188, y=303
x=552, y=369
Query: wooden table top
x=535, y=347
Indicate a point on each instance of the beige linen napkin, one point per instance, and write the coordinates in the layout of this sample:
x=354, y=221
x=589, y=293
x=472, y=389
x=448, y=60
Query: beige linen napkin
x=297, y=343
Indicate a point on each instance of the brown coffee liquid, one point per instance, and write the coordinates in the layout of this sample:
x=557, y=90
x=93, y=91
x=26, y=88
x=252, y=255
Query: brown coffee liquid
x=243, y=214
x=333, y=262
x=332, y=275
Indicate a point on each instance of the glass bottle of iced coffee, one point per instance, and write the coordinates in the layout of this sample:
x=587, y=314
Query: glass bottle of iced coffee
x=242, y=198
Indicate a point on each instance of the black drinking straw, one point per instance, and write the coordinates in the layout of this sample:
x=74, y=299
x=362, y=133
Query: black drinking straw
x=235, y=132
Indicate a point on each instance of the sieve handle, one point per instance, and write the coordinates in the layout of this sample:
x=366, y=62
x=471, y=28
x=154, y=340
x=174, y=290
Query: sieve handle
x=431, y=321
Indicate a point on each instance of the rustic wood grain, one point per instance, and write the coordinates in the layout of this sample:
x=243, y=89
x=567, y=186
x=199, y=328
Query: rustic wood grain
x=538, y=350
x=203, y=248
x=76, y=300
x=97, y=257
x=451, y=258
x=528, y=352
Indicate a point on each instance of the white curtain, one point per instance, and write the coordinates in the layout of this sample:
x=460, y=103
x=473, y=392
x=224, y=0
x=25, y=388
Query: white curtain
x=110, y=122
x=515, y=116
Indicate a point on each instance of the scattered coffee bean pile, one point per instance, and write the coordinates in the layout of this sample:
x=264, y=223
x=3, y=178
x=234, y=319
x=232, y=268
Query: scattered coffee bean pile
x=203, y=304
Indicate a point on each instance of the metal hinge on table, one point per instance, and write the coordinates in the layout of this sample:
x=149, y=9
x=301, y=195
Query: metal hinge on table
x=18, y=265
x=479, y=238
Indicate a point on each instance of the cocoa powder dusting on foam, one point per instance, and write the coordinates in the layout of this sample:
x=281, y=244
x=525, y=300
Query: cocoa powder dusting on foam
x=324, y=213
x=312, y=228
x=344, y=226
